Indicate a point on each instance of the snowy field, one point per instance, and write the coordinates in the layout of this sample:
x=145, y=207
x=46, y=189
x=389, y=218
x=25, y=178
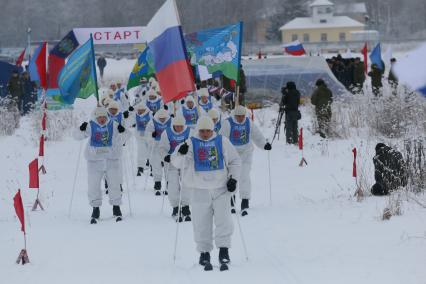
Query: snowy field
x=314, y=231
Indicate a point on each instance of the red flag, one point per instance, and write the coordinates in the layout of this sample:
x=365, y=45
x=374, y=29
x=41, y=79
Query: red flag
x=55, y=66
x=20, y=58
x=41, y=66
x=41, y=146
x=301, y=139
x=364, y=52
x=354, y=163
x=43, y=121
x=33, y=168
x=19, y=209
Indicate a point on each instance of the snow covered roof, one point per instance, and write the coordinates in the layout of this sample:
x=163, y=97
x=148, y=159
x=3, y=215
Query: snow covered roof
x=321, y=3
x=350, y=8
x=333, y=22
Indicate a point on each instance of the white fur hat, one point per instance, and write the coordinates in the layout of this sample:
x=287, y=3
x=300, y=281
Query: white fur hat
x=205, y=123
x=240, y=110
x=141, y=105
x=178, y=121
x=113, y=104
x=189, y=98
x=203, y=92
x=100, y=111
x=214, y=113
x=162, y=113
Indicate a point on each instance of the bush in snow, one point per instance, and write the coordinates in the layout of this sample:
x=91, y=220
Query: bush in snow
x=9, y=117
x=59, y=123
x=416, y=163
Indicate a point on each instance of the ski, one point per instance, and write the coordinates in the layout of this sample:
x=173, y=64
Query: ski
x=208, y=266
x=224, y=267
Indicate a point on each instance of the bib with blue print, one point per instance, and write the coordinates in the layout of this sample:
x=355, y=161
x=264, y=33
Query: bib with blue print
x=101, y=135
x=142, y=121
x=190, y=115
x=176, y=139
x=208, y=155
x=240, y=133
x=160, y=127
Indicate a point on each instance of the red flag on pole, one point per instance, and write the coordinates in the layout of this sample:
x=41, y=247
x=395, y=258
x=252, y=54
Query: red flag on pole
x=41, y=66
x=20, y=58
x=41, y=146
x=33, y=168
x=43, y=121
x=19, y=209
x=301, y=139
x=354, y=174
x=364, y=53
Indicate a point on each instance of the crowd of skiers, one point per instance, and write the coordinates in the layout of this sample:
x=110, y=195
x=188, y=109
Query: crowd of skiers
x=204, y=155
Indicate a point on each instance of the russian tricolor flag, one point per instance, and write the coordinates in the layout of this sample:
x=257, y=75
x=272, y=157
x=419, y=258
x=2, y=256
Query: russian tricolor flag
x=411, y=70
x=294, y=48
x=165, y=40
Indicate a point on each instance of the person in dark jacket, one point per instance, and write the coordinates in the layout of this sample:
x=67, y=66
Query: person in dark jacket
x=322, y=98
x=390, y=171
x=358, y=77
x=290, y=105
x=376, y=79
x=14, y=87
x=101, y=64
x=392, y=79
x=29, y=91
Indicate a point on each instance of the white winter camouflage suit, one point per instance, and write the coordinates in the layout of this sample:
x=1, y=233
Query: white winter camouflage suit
x=246, y=154
x=101, y=160
x=210, y=198
x=143, y=141
x=172, y=174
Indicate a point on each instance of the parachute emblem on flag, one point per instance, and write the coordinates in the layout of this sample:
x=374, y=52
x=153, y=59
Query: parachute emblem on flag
x=66, y=46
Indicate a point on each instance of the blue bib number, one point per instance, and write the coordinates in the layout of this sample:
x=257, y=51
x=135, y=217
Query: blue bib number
x=142, y=121
x=190, y=115
x=101, y=135
x=240, y=133
x=208, y=155
x=175, y=139
x=159, y=128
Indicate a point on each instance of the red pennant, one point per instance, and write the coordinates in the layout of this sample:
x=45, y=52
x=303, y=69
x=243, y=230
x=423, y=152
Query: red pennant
x=252, y=114
x=364, y=52
x=19, y=209
x=33, y=168
x=41, y=66
x=354, y=174
x=21, y=58
x=41, y=146
x=43, y=121
x=301, y=139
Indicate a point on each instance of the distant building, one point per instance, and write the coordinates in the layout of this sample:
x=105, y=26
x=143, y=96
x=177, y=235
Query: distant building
x=323, y=26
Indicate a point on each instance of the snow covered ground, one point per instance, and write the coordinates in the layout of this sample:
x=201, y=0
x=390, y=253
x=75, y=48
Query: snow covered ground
x=313, y=232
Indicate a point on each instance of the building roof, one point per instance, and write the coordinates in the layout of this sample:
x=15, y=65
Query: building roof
x=350, y=8
x=321, y=3
x=333, y=22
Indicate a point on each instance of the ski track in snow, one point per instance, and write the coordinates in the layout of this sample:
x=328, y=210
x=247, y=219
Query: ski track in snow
x=314, y=231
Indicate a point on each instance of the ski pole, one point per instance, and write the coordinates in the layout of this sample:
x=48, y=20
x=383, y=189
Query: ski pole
x=269, y=173
x=179, y=208
x=240, y=229
x=150, y=161
x=126, y=177
x=166, y=176
x=75, y=179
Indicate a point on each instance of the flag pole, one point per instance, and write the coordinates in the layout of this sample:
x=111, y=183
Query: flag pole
x=237, y=100
x=94, y=67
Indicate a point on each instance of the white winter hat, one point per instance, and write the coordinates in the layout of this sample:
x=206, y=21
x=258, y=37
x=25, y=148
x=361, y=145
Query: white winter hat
x=178, y=121
x=162, y=113
x=214, y=113
x=152, y=79
x=205, y=123
x=141, y=106
x=240, y=110
x=189, y=98
x=110, y=93
x=113, y=104
x=100, y=111
x=203, y=92
x=152, y=92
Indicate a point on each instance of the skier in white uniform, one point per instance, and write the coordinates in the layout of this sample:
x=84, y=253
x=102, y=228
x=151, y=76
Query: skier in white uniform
x=211, y=167
x=171, y=138
x=140, y=121
x=156, y=126
x=243, y=133
x=103, y=154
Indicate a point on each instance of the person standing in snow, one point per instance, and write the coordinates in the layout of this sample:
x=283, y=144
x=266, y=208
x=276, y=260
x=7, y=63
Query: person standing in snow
x=243, y=133
x=210, y=167
x=359, y=76
x=114, y=113
x=190, y=112
x=103, y=153
x=120, y=96
x=376, y=80
x=290, y=105
x=392, y=79
x=154, y=102
x=171, y=138
x=322, y=98
x=140, y=121
x=101, y=64
x=156, y=126
x=214, y=114
x=205, y=100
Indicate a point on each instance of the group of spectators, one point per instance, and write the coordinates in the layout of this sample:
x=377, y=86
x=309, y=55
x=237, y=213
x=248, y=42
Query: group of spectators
x=21, y=93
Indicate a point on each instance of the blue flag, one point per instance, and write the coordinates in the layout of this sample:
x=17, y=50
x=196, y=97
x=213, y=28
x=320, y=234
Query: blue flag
x=376, y=57
x=78, y=77
x=217, y=49
x=144, y=68
x=32, y=66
